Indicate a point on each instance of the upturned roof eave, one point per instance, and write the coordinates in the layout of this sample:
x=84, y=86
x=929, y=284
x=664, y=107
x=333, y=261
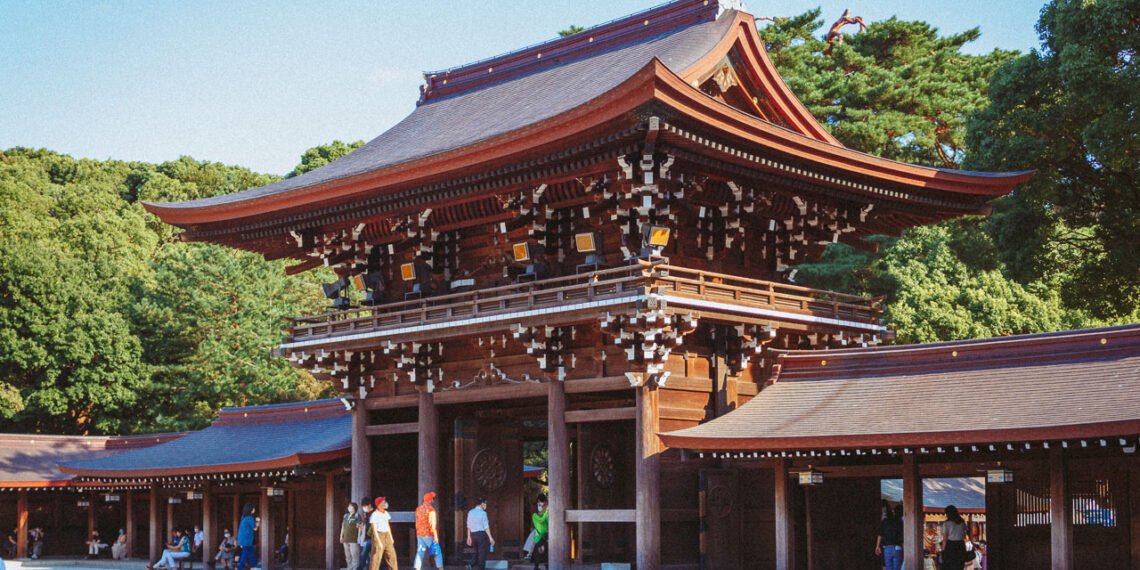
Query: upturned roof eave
x=653, y=82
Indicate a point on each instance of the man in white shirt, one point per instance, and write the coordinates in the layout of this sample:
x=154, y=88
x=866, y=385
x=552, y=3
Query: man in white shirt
x=382, y=545
x=479, y=533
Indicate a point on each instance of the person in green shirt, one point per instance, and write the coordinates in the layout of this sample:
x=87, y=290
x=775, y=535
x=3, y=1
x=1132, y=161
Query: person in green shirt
x=541, y=521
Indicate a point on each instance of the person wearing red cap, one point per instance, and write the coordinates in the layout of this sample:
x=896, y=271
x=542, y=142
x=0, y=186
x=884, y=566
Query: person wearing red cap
x=383, y=547
x=427, y=535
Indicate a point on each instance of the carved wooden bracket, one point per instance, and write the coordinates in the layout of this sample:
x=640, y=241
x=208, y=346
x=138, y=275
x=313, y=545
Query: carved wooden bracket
x=648, y=337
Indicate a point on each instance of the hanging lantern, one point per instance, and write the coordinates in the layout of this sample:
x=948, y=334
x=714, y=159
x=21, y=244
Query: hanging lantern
x=83, y=503
x=999, y=474
x=112, y=498
x=193, y=495
x=174, y=500
x=811, y=477
x=275, y=491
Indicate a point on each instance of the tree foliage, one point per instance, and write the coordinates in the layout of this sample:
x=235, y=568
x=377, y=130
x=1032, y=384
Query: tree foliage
x=1070, y=111
x=897, y=90
x=108, y=324
x=319, y=156
x=901, y=91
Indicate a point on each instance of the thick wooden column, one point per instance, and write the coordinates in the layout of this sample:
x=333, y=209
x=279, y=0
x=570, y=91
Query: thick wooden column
x=913, y=518
x=265, y=540
x=155, y=540
x=1061, y=515
x=208, y=530
x=429, y=444
x=169, y=521
x=785, y=518
x=331, y=542
x=91, y=498
x=236, y=514
x=558, y=476
x=648, y=481
x=129, y=525
x=22, y=524
x=361, y=453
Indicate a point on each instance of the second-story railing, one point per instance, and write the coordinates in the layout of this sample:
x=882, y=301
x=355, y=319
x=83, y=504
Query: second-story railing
x=626, y=281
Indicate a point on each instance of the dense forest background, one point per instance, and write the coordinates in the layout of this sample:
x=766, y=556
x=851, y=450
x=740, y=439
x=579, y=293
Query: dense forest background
x=110, y=324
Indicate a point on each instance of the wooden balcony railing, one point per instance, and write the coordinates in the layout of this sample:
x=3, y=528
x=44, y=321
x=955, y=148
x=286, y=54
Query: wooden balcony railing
x=626, y=281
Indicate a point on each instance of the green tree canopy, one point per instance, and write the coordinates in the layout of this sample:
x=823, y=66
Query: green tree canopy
x=319, y=156
x=1070, y=111
x=898, y=90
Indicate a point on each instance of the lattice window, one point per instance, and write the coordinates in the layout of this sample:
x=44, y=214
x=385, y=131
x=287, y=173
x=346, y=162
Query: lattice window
x=1032, y=504
x=1094, y=504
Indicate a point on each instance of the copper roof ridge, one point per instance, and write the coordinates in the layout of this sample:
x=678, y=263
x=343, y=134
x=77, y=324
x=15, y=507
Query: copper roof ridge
x=616, y=32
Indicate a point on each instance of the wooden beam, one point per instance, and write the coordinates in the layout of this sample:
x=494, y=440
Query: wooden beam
x=428, y=428
x=603, y=384
x=391, y=402
x=1061, y=515
x=331, y=541
x=648, y=494
x=492, y=393
x=392, y=429
x=156, y=545
x=22, y=524
x=361, y=453
x=785, y=518
x=913, y=522
x=600, y=415
x=602, y=516
x=558, y=476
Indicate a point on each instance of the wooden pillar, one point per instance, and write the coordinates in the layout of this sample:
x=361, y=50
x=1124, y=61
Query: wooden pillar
x=155, y=541
x=809, y=539
x=1061, y=515
x=558, y=477
x=331, y=542
x=429, y=444
x=208, y=530
x=91, y=498
x=265, y=540
x=129, y=525
x=291, y=522
x=22, y=524
x=236, y=513
x=169, y=520
x=361, y=453
x=785, y=518
x=913, y=518
x=648, y=481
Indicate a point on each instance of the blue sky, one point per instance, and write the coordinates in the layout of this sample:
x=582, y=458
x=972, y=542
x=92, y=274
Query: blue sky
x=257, y=82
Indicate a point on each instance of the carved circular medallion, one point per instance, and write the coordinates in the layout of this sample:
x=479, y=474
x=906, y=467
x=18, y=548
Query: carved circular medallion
x=489, y=470
x=602, y=466
x=719, y=501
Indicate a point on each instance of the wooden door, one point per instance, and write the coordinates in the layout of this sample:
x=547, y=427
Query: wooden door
x=720, y=512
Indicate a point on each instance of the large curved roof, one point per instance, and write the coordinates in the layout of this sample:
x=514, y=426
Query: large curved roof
x=32, y=460
x=504, y=108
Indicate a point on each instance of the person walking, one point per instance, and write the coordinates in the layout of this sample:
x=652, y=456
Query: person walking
x=889, y=544
x=427, y=532
x=246, y=536
x=954, y=533
x=479, y=534
x=384, y=548
x=349, y=533
x=365, y=537
x=540, y=520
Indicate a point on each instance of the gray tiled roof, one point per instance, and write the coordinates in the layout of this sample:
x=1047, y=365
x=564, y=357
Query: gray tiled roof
x=232, y=442
x=1017, y=384
x=470, y=117
x=35, y=458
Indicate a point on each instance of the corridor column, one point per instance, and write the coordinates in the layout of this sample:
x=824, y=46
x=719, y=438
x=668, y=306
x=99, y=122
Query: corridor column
x=331, y=537
x=1061, y=517
x=208, y=530
x=22, y=524
x=913, y=518
x=558, y=476
x=429, y=444
x=785, y=518
x=361, y=452
x=129, y=526
x=648, y=481
x=265, y=540
x=155, y=544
